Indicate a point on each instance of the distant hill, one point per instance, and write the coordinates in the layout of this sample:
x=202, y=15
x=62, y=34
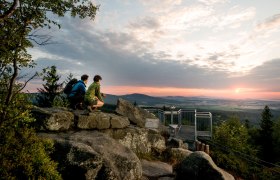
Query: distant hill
x=141, y=99
x=194, y=102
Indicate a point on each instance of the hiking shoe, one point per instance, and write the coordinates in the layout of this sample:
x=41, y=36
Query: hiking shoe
x=89, y=109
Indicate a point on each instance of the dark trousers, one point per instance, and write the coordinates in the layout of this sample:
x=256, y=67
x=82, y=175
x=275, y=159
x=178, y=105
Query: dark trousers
x=76, y=102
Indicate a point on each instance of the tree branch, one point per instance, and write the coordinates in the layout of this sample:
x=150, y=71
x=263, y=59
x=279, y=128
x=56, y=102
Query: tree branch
x=10, y=11
x=24, y=85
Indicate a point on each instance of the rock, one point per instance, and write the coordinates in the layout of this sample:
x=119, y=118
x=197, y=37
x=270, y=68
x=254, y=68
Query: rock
x=53, y=119
x=156, y=169
x=86, y=122
x=177, y=155
x=135, y=114
x=200, y=165
x=100, y=120
x=119, y=122
x=103, y=120
x=93, y=155
x=139, y=140
x=176, y=143
x=152, y=123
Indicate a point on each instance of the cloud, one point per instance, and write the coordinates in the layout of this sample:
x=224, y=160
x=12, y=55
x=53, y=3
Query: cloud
x=270, y=23
x=191, y=46
x=266, y=76
x=212, y=2
x=236, y=16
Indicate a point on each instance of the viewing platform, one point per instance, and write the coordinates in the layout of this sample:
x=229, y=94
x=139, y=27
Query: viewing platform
x=185, y=124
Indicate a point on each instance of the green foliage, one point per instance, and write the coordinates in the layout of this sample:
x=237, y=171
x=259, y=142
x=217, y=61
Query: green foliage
x=265, y=140
x=23, y=155
x=232, y=137
x=60, y=101
x=276, y=140
x=52, y=88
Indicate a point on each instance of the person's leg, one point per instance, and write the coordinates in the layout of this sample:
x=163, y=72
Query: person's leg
x=98, y=105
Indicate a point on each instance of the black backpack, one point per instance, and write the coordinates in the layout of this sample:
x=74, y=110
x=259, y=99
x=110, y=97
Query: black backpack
x=68, y=88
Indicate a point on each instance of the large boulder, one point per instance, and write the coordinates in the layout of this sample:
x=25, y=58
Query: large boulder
x=199, y=165
x=53, y=119
x=100, y=120
x=177, y=155
x=93, y=155
x=135, y=114
x=176, y=143
x=156, y=169
x=140, y=140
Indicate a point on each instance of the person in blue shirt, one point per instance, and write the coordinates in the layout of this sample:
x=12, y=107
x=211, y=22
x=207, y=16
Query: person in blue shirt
x=76, y=97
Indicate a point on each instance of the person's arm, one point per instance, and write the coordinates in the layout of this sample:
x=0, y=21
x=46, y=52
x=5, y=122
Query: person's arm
x=98, y=94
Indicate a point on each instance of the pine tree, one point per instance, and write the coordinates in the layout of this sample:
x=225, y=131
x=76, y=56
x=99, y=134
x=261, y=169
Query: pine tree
x=51, y=89
x=266, y=134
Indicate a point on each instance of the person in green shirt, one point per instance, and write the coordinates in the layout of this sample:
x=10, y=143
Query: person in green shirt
x=93, y=96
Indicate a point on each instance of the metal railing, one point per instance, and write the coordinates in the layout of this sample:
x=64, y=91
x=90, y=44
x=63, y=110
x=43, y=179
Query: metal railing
x=200, y=121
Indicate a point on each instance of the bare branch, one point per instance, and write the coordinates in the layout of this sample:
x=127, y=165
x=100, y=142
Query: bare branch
x=40, y=39
x=10, y=11
x=24, y=85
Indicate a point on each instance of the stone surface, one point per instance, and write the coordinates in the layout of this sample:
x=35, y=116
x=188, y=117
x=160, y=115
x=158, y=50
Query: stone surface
x=156, y=169
x=152, y=123
x=135, y=114
x=53, y=119
x=178, y=154
x=86, y=122
x=199, y=165
x=140, y=140
x=100, y=120
x=176, y=143
x=93, y=155
x=119, y=122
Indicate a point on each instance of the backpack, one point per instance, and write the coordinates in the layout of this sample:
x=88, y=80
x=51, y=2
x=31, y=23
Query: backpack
x=68, y=88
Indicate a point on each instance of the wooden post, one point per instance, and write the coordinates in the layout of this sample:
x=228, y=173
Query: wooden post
x=197, y=145
x=202, y=147
x=207, y=150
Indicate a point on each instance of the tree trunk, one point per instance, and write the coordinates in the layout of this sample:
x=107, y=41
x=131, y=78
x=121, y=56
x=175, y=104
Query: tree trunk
x=12, y=81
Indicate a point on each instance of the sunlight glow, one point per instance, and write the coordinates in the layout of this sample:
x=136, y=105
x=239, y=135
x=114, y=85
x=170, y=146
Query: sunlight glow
x=237, y=90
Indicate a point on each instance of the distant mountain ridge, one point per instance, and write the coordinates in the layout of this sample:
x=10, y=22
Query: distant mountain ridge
x=182, y=101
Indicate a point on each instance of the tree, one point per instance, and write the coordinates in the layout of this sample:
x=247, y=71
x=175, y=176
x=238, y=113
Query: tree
x=23, y=155
x=276, y=140
x=265, y=143
x=229, y=138
x=51, y=89
x=19, y=22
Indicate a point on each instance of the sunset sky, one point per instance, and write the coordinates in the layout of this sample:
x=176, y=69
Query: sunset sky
x=215, y=48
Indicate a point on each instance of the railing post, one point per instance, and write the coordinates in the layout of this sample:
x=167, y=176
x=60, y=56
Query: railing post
x=180, y=117
x=195, y=133
x=210, y=124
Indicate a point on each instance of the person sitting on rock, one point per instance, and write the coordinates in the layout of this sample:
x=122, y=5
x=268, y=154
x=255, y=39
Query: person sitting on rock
x=77, y=95
x=93, y=97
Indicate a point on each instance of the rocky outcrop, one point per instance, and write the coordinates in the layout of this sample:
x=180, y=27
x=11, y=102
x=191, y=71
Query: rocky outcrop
x=140, y=140
x=61, y=119
x=93, y=155
x=135, y=114
x=156, y=169
x=53, y=119
x=199, y=165
x=176, y=143
x=100, y=120
x=177, y=155
x=106, y=146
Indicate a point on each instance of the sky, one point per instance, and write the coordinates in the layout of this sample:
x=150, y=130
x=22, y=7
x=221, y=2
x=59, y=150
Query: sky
x=213, y=48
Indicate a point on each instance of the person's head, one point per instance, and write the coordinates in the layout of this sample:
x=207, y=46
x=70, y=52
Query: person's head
x=97, y=78
x=84, y=78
